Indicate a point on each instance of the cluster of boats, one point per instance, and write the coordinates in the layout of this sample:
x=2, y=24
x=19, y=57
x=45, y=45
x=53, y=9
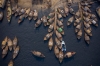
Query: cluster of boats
x=8, y=44
x=18, y=11
x=83, y=17
x=55, y=22
x=24, y=13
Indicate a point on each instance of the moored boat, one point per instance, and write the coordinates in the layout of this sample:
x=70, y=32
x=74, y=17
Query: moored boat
x=9, y=11
x=38, y=54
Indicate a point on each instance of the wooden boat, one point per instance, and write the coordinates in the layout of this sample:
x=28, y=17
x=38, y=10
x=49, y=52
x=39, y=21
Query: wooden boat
x=61, y=11
x=17, y=11
x=77, y=21
x=87, y=38
x=50, y=21
x=27, y=12
x=66, y=9
x=50, y=44
x=59, y=36
x=70, y=20
x=87, y=25
x=78, y=27
x=30, y=16
x=93, y=16
x=14, y=9
x=86, y=9
x=79, y=34
x=38, y=23
x=5, y=51
x=61, y=56
x=94, y=23
x=10, y=44
x=69, y=54
x=9, y=11
x=44, y=20
x=38, y=54
x=1, y=15
x=21, y=18
x=71, y=10
x=15, y=43
x=22, y=11
x=10, y=63
x=60, y=30
x=51, y=15
x=2, y=3
x=35, y=15
x=4, y=42
x=47, y=36
x=88, y=31
x=77, y=15
x=16, y=51
x=85, y=13
x=59, y=15
x=87, y=20
x=56, y=51
x=51, y=27
x=98, y=11
x=60, y=24
x=58, y=43
x=69, y=2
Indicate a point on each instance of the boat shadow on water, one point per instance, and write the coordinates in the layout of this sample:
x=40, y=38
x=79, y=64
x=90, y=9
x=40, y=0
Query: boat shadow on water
x=68, y=59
